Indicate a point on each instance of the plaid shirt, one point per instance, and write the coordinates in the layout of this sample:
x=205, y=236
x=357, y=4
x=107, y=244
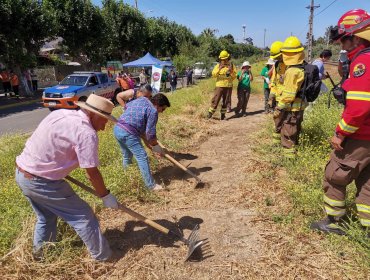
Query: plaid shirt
x=140, y=117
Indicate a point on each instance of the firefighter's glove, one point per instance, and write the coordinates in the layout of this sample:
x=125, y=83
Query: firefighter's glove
x=277, y=113
x=339, y=94
x=110, y=201
x=158, y=150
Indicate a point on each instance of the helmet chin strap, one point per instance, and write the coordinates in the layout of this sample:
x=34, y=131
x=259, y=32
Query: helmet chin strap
x=357, y=49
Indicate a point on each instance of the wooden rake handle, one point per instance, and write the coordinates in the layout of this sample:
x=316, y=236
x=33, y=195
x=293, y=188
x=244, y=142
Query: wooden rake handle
x=175, y=162
x=178, y=164
x=125, y=209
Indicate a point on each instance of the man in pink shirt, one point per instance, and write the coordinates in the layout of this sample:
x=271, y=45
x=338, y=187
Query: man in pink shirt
x=63, y=141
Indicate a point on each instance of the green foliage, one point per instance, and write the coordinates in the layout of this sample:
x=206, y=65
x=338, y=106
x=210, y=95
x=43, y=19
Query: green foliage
x=125, y=29
x=79, y=23
x=24, y=26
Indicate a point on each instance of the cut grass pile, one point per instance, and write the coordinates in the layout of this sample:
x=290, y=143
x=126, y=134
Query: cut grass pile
x=177, y=126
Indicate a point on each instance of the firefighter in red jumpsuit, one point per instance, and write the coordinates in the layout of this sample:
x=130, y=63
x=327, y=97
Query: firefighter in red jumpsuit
x=350, y=160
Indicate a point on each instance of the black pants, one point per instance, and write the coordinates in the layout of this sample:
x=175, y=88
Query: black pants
x=34, y=85
x=267, y=97
x=243, y=98
x=7, y=87
x=16, y=90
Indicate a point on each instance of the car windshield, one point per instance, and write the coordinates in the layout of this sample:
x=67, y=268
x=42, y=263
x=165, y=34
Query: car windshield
x=74, y=80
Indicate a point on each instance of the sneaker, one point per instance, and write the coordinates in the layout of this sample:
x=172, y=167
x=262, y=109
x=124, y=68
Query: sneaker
x=38, y=255
x=209, y=115
x=157, y=187
x=328, y=225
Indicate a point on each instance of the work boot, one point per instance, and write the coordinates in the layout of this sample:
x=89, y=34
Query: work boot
x=222, y=117
x=328, y=225
x=209, y=115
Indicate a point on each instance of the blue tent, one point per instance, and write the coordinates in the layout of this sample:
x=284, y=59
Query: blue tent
x=146, y=61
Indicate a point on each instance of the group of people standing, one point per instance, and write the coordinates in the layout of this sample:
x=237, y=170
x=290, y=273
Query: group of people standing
x=284, y=76
x=11, y=82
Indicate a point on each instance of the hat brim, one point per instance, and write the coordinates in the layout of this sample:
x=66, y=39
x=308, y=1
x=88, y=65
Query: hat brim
x=226, y=57
x=275, y=56
x=83, y=105
x=297, y=50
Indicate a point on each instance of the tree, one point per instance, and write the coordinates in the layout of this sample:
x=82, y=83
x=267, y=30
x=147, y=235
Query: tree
x=80, y=24
x=126, y=29
x=24, y=26
x=209, y=32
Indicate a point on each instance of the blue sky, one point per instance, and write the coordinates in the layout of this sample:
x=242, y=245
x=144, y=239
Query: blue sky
x=279, y=17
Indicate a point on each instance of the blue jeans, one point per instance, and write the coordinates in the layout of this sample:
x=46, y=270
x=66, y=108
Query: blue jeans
x=173, y=87
x=51, y=199
x=131, y=146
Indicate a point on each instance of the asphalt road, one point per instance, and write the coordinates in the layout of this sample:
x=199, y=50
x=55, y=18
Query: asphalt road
x=22, y=119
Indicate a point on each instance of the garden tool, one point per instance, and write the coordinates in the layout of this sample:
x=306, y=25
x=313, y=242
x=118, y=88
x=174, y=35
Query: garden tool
x=178, y=164
x=192, y=241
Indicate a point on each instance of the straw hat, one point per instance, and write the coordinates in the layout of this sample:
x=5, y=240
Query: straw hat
x=98, y=105
x=270, y=61
x=246, y=63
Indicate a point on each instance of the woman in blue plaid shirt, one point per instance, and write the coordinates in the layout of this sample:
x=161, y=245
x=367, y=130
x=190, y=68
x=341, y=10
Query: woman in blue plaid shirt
x=139, y=121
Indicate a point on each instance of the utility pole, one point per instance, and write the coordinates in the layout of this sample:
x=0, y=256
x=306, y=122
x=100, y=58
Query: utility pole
x=136, y=4
x=244, y=27
x=312, y=8
x=264, y=38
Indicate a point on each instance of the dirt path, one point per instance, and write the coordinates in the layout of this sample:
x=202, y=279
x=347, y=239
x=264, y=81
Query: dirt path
x=226, y=220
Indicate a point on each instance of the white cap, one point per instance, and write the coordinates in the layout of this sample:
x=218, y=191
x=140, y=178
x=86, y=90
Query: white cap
x=245, y=63
x=270, y=62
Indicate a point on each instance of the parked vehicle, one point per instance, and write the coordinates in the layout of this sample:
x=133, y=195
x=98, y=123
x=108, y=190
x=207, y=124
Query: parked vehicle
x=200, y=70
x=77, y=87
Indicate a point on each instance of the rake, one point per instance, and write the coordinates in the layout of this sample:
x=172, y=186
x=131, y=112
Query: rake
x=192, y=241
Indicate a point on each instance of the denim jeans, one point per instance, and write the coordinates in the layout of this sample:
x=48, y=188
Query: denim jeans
x=131, y=146
x=51, y=199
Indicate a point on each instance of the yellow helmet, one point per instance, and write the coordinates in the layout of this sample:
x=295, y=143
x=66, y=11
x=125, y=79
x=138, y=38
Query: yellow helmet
x=224, y=55
x=292, y=45
x=275, y=49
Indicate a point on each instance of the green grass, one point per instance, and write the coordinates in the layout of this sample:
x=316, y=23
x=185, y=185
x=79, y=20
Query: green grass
x=176, y=126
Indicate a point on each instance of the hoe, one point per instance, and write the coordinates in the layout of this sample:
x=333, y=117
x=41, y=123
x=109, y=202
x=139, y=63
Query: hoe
x=192, y=241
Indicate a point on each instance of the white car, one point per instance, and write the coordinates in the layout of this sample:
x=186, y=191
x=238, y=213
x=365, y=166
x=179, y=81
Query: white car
x=200, y=70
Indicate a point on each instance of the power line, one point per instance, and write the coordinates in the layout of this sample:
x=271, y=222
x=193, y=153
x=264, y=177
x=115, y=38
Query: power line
x=326, y=8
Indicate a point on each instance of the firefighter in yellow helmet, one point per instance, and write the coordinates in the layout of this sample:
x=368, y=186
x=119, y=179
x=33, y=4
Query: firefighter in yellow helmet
x=225, y=73
x=290, y=108
x=276, y=84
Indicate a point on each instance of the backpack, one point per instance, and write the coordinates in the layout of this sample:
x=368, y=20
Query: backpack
x=310, y=88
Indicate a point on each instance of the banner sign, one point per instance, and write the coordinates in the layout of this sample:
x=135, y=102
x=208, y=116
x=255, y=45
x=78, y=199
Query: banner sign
x=156, y=78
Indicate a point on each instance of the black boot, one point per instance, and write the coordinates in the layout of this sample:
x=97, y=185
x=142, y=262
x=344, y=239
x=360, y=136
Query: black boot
x=209, y=115
x=222, y=117
x=328, y=225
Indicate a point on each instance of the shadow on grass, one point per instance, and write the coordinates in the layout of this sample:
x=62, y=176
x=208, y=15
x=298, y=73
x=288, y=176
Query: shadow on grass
x=136, y=235
x=168, y=173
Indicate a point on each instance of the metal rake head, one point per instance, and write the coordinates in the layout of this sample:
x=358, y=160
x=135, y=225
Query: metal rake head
x=193, y=241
